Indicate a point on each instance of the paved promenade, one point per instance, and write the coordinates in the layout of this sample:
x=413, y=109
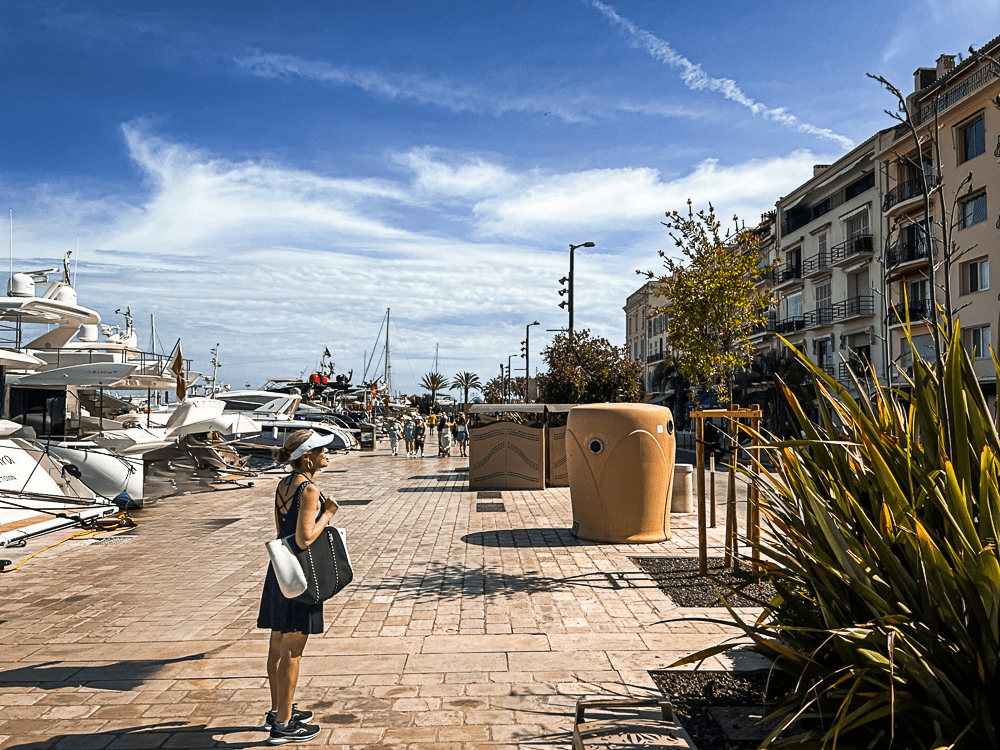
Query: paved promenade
x=462, y=629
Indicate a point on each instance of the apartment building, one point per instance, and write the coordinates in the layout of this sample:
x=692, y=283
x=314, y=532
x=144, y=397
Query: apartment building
x=844, y=250
x=646, y=331
x=957, y=103
x=826, y=281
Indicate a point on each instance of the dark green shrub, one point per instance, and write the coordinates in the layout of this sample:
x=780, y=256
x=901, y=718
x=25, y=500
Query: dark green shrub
x=882, y=546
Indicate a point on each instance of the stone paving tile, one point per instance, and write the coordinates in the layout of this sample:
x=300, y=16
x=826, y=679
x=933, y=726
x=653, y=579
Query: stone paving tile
x=462, y=629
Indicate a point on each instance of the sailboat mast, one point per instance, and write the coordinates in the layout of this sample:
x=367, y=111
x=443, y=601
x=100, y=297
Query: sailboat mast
x=388, y=368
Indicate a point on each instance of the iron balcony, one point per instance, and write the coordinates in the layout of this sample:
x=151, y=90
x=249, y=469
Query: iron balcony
x=853, y=307
x=857, y=245
x=815, y=264
x=918, y=309
x=906, y=252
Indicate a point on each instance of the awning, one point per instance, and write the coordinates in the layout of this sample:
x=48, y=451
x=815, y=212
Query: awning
x=856, y=212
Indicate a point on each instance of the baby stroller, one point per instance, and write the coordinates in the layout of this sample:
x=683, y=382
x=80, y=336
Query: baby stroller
x=444, y=443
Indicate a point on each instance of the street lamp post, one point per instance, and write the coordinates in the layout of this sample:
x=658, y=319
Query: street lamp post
x=572, y=253
x=527, y=370
x=510, y=380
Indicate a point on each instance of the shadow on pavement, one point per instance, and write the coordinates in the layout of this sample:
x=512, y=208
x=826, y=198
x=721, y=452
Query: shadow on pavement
x=169, y=734
x=432, y=488
x=444, y=581
x=123, y=675
x=525, y=538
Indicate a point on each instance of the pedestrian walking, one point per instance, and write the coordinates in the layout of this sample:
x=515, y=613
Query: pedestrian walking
x=393, y=436
x=444, y=442
x=419, y=435
x=302, y=511
x=408, y=438
x=461, y=433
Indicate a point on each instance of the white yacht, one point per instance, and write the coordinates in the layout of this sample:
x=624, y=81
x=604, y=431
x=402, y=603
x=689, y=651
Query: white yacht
x=56, y=379
x=275, y=413
x=38, y=492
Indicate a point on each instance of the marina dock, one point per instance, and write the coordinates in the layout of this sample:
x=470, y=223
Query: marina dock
x=467, y=625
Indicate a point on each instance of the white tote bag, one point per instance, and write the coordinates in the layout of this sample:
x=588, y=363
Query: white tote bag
x=291, y=579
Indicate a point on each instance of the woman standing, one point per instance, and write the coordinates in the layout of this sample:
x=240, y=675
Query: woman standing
x=300, y=509
x=408, y=438
x=461, y=433
x=393, y=431
x=419, y=434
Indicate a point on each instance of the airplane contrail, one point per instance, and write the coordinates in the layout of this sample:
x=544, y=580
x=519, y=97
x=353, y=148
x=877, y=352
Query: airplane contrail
x=697, y=79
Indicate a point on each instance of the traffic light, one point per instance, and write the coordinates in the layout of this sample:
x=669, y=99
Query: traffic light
x=564, y=291
x=524, y=348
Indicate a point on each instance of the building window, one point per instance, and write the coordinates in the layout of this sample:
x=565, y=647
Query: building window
x=824, y=356
x=973, y=139
x=821, y=208
x=919, y=290
x=977, y=342
x=858, y=225
x=925, y=350
x=821, y=241
x=859, y=186
x=974, y=210
x=976, y=276
x=795, y=306
x=823, y=295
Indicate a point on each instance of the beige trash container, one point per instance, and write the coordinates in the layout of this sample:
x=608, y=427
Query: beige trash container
x=621, y=459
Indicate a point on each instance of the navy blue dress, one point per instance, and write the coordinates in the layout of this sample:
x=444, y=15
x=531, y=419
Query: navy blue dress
x=277, y=612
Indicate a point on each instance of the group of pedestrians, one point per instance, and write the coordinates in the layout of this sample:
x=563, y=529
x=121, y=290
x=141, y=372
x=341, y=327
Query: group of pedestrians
x=414, y=433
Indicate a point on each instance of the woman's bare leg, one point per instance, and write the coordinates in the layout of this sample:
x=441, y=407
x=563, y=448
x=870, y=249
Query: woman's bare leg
x=283, y=657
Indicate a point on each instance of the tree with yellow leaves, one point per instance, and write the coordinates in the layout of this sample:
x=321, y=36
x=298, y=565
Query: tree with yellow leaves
x=713, y=303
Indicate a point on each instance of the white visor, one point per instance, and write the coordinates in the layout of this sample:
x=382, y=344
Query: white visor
x=315, y=440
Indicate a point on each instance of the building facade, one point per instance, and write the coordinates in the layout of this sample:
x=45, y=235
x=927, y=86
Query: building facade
x=849, y=255
x=959, y=173
x=646, y=332
x=827, y=287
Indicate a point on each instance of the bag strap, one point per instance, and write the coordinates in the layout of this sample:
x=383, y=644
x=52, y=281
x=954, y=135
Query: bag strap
x=295, y=496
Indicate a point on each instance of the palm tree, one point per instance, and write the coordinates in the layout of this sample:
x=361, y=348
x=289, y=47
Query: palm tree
x=433, y=382
x=465, y=382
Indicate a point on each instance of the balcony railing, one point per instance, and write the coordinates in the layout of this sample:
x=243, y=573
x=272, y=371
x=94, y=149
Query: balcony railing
x=656, y=357
x=787, y=274
x=828, y=369
x=766, y=274
x=906, y=252
x=790, y=324
x=903, y=192
x=766, y=327
x=858, y=367
x=919, y=309
x=821, y=316
x=857, y=245
x=818, y=262
x=856, y=307
x=970, y=85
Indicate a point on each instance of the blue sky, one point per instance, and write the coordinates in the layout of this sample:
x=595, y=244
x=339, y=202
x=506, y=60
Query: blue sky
x=272, y=178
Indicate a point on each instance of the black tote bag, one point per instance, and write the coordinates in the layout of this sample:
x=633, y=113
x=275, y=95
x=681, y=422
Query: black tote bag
x=327, y=566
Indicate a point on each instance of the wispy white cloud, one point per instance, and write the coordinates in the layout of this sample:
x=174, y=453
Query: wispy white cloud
x=274, y=263
x=536, y=203
x=697, y=79
x=439, y=91
x=456, y=97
